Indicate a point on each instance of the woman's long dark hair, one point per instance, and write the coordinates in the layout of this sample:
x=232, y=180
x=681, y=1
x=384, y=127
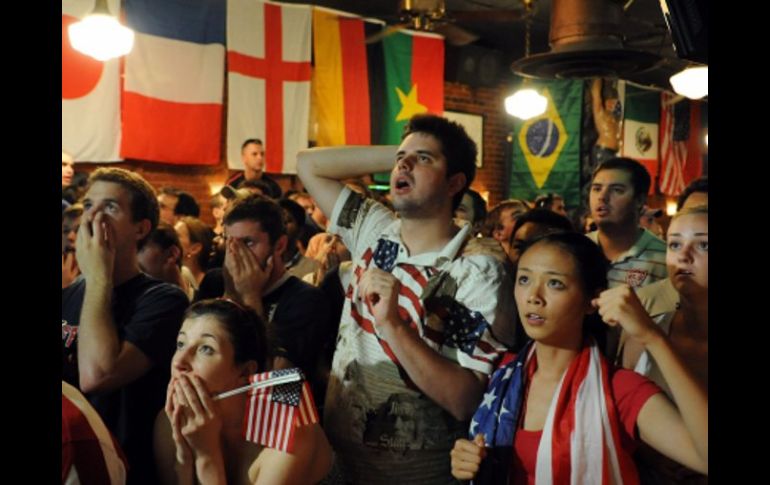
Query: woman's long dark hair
x=592, y=269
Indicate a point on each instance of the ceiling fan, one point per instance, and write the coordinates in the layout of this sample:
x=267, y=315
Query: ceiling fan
x=432, y=16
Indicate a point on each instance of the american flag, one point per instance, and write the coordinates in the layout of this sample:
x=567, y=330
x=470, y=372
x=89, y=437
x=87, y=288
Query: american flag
x=580, y=442
x=679, y=147
x=274, y=412
x=464, y=329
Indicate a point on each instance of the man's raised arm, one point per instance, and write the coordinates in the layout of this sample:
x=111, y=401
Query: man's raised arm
x=322, y=169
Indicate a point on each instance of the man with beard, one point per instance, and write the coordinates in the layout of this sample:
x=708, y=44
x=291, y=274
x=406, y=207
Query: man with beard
x=423, y=319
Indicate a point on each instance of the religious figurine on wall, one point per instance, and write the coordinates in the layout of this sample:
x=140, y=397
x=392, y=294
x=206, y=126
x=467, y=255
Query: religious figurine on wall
x=607, y=114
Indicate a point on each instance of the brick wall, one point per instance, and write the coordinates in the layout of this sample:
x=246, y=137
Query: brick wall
x=487, y=102
x=199, y=181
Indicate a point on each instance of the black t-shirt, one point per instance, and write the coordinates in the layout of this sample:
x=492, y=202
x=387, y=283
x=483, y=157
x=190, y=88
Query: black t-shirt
x=331, y=286
x=212, y=285
x=298, y=313
x=148, y=313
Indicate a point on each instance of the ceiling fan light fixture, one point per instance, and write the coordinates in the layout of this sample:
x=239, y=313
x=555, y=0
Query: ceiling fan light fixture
x=692, y=82
x=526, y=104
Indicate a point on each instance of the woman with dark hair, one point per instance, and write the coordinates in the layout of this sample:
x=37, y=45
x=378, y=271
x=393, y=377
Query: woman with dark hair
x=528, y=226
x=473, y=209
x=199, y=439
x=534, y=223
x=557, y=412
x=196, y=238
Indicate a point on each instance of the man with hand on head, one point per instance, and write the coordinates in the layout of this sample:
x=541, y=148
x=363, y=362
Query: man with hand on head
x=421, y=321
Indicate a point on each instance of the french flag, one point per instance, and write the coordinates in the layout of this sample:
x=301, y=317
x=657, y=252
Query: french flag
x=174, y=78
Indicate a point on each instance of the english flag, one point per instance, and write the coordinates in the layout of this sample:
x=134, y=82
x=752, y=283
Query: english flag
x=268, y=51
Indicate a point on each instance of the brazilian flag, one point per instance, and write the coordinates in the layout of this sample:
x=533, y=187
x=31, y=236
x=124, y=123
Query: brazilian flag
x=413, y=83
x=546, y=149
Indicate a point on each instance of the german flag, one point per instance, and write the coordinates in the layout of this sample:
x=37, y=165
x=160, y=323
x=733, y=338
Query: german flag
x=340, y=79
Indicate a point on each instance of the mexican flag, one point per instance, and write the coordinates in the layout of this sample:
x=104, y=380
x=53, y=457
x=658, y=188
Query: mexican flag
x=546, y=149
x=641, y=115
x=414, y=83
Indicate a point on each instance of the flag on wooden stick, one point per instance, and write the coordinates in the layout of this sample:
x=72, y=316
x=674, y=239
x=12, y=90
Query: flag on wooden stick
x=273, y=413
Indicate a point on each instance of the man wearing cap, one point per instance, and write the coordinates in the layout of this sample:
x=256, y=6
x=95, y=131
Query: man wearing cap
x=253, y=158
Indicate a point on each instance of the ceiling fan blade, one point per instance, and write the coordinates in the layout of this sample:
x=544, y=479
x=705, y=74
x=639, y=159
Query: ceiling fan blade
x=674, y=100
x=385, y=32
x=455, y=35
x=489, y=15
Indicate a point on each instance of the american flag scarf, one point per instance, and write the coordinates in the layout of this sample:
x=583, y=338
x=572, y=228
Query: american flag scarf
x=274, y=412
x=581, y=437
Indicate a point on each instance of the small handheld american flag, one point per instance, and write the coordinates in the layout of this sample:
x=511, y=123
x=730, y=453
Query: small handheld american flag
x=274, y=412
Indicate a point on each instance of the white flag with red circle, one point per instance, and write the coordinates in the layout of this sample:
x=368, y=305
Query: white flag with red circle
x=90, y=95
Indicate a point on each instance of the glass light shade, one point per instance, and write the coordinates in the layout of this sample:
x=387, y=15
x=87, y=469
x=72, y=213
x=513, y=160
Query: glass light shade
x=526, y=104
x=692, y=83
x=670, y=207
x=101, y=37
x=215, y=188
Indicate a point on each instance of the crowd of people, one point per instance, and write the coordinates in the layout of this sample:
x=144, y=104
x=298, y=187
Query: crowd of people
x=440, y=340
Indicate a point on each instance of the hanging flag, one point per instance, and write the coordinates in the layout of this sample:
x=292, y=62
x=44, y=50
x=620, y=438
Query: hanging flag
x=340, y=79
x=406, y=77
x=640, y=129
x=414, y=80
x=268, y=63
x=680, y=153
x=546, y=149
x=90, y=94
x=172, y=106
x=273, y=413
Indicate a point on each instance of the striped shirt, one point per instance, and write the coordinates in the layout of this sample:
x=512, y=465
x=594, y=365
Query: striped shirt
x=455, y=303
x=642, y=264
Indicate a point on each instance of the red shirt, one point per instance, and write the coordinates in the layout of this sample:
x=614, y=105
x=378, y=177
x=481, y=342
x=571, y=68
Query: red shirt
x=629, y=392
